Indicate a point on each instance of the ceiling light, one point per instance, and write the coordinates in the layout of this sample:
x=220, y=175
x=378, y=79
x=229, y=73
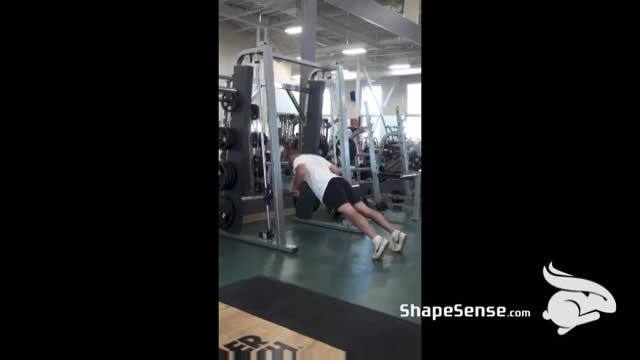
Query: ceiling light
x=298, y=58
x=293, y=30
x=399, y=66
x=406, y=71
x=356, y=51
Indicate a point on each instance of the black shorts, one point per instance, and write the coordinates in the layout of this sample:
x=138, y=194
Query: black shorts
x=339, y=192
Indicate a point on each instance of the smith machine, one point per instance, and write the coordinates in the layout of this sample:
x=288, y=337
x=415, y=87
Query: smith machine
x=234, y=171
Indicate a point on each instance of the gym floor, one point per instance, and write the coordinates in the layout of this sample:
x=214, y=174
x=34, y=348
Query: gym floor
x=334, y=263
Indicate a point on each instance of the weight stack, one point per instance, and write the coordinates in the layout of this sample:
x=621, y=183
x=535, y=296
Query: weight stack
x=308, y=202
x=238, y=155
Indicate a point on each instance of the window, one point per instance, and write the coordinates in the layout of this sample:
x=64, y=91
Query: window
x=413, y=124
x=414, y=99
x=371, y=102
x=326, y=103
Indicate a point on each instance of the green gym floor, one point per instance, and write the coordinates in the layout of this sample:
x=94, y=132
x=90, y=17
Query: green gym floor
x=335, y=263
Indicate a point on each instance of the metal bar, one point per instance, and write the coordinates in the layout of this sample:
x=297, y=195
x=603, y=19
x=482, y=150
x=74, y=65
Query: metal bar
x=376, y=14
x=358, y=90
x=375, y=100
x=307, y=14
x=226, y=89
x=255, y=240
x=272, y=117
x=284, y=58
x=344, y=141
x=264, y=167
x=225, y=77
x=266, y=30
x=252, y=198
x=416, y=197
x=295, y=103
x=258, y=29
x=291, y=87
x=403, y=148
x=294, y=88
x=409, y=175
x=372, y=157
x=386, y=100
x=349, y=228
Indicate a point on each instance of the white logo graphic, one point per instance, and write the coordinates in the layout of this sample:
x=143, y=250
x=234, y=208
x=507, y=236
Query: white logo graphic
x=577, y=303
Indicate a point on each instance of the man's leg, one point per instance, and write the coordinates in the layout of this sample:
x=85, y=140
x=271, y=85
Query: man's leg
x=376, y=216
x=356, y=219
x=398, y=238
x=379, y=243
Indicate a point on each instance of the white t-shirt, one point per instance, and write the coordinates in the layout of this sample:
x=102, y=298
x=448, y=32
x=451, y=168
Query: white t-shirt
x=318, y=173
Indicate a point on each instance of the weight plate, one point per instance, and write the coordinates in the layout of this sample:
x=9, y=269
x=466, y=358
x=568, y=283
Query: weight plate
x=226, y=212
x=226, y=175
x=226, y=138
x=254, y=139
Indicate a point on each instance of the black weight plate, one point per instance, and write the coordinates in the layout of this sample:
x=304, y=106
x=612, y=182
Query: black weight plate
x=258, y=171
x=226, y=175
x=226, y=212
x=255, y=112
x=226, y=138
x=254, y=139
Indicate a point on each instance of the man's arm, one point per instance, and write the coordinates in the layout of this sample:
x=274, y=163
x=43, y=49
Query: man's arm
x=301, y=170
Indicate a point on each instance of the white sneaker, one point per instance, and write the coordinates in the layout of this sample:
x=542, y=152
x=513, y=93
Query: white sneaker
x=398, y=238
x=380, y=244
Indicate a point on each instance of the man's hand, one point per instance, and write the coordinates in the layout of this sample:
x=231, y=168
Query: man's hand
x=295, y=193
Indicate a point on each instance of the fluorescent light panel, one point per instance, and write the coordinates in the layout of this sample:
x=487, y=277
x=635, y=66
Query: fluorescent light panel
x=356, y=51
x=406, y=71
x=293, y=30
x=399, y=66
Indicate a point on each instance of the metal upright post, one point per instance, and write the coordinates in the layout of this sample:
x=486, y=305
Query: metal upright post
x=416, y=196
x=334, y=114
x=344, y=136
x=372, y=157
x=380, y=109
x=272, y=118
x=358, y=90
x=403, y=150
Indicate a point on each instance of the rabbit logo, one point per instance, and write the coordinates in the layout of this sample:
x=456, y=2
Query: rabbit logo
x=578, y=302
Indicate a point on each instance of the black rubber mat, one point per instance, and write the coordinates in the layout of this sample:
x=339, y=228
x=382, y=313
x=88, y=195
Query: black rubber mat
x=363, y=333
